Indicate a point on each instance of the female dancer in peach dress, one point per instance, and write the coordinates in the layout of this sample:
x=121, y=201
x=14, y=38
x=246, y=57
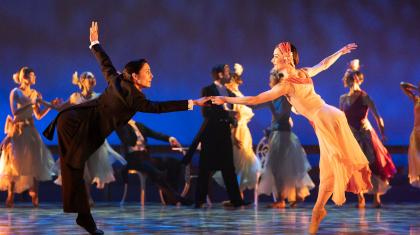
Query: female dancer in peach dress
x=343, y=166
x=414, y=148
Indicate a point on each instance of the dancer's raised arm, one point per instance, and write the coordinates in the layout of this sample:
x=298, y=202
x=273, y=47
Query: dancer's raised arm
x=409, y=89
x=103, y=59
x=278, y=90
x=327, y=62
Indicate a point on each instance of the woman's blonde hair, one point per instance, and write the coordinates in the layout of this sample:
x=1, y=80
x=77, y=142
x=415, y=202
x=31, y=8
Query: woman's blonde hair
x=351, y=76
x=76, y=80
x=23, y=72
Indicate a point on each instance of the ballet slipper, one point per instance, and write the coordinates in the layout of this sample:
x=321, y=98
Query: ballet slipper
x=361, y=204
x=377, y=205
x=278, y=205
x=35, y=199
x=316, y=219
x=293, y=204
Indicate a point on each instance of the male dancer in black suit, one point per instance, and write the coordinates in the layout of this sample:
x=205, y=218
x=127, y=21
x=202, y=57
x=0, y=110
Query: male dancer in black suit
x=216, y=143
x=133, y=138
x=83, y=128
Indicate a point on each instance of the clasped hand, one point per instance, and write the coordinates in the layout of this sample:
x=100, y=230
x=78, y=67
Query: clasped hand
x=218, y=100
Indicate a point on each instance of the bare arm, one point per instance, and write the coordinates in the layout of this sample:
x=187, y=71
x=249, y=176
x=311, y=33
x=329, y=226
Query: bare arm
x=40, y=112
x=56, y=104
x=278, y=90
x=330, y=60
x=409, y=90
x=378, y=118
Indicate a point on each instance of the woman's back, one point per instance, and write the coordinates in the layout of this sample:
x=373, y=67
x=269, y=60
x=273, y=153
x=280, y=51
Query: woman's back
x=303, y=96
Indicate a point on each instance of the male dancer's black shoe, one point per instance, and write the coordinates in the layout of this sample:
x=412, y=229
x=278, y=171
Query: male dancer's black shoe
x=236, y=204
x=200, y=205
x=185, y=201
x=86, y=221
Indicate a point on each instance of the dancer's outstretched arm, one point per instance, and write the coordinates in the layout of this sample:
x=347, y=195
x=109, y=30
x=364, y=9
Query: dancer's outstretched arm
x=278, y=90
x=105, y=62
x=327, y=62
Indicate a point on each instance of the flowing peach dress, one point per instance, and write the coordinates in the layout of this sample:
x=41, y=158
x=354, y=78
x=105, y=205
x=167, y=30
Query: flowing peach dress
x=343, y=166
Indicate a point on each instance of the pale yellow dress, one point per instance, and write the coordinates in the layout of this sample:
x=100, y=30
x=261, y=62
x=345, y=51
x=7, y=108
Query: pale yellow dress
x=24, y=157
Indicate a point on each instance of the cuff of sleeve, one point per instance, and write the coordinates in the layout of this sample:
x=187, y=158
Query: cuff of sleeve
x=171, y=139
x=93, y=44
x=190, y=105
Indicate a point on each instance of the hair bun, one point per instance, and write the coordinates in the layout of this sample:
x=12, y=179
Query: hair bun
x=75, y=80
x=238, y=69
x=16, y=78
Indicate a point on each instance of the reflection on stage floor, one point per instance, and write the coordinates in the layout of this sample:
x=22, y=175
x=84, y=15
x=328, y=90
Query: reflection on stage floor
x=154, y=218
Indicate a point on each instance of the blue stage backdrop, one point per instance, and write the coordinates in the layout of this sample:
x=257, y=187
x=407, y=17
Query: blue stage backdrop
x=184, y=39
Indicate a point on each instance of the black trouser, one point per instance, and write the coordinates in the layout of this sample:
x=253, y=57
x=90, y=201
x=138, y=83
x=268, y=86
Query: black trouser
x=75, y=198
x=231, y=184
x=152, y=168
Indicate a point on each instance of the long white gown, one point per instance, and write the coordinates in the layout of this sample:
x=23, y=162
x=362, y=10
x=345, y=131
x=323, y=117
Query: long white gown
x=24, y=157
x=98, y=169
x=247, y=165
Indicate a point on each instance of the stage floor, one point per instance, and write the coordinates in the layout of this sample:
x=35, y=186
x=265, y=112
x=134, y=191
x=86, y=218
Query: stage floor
x=157, y=219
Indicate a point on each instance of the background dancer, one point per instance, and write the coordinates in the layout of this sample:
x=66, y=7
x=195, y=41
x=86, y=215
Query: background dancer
x=286, y=168
x=162, y=171
x=98, y=169
x=414, y=148
x=247, y=165
x=25, y=159
x=356, y=105
x=216, y=142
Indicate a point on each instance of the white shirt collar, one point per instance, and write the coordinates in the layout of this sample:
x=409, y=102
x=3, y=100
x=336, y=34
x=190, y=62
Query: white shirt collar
x=217, y=83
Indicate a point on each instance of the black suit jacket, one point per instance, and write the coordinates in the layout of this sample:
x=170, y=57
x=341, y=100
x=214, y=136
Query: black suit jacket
x=214, y=134
x=113, y=108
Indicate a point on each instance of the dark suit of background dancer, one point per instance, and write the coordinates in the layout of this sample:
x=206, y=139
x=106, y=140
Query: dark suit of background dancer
x=216, y=143
x=83, y=128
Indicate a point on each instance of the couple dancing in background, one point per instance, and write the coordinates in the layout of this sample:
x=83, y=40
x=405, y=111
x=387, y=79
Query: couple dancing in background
x=226, y=142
